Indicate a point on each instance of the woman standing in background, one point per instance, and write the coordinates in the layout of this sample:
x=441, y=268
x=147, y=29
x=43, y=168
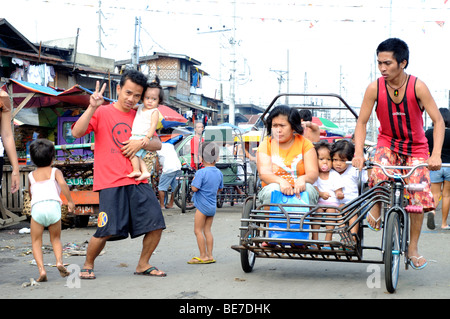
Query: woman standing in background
x=440, y=180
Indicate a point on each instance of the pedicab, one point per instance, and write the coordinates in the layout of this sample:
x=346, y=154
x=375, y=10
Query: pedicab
x=239, y=172
x=283, y=231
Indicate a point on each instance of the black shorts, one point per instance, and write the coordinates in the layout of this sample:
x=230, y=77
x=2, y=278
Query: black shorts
x=130, y=209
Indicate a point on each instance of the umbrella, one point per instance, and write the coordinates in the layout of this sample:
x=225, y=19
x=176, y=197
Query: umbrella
x=234, y=127
x=169, y=117
x=328, y=126
x=251, y=136
x=324, y=123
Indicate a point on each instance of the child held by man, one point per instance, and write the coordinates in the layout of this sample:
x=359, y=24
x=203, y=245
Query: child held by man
x=144, y=127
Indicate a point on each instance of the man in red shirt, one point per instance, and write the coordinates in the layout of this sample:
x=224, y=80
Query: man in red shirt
x=196, y=160
x=401, y=100
x=127, y=206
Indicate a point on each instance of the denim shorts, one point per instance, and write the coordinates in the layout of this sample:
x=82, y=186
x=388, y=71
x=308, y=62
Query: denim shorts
x=168, y=179
x=441, y=175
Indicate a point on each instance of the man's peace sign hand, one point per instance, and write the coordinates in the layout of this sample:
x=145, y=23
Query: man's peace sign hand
x=96, y=98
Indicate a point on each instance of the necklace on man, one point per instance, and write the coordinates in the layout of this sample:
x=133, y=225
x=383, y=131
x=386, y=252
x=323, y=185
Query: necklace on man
x=396, y=90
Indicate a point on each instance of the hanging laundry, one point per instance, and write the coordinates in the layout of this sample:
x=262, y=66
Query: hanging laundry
x=17, y=61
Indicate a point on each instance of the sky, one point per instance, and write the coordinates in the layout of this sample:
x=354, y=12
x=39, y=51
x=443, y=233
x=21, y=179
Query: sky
x=321, y=46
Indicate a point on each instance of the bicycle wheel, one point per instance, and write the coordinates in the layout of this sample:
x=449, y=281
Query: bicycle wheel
x=177, y=195
x=392, y=251
x=189, y=198
x=247, y=257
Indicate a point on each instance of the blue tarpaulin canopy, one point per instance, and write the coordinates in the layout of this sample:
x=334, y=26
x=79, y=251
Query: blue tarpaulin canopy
x=28, y=95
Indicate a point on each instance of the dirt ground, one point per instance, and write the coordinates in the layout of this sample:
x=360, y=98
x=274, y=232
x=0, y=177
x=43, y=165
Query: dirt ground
x=270, y=279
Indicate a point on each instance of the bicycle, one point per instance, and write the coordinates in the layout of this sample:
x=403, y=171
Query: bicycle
x=396, y=221
x=183, y=194
x=257, y=222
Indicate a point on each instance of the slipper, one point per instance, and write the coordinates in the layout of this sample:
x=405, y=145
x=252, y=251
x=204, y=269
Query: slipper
x=200, y=261
x=446, y=227
x=90, y=274
x=417, y=267
x=376, y=221
x=148, y=272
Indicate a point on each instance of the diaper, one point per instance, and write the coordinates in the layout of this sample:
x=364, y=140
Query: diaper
x=46, y=212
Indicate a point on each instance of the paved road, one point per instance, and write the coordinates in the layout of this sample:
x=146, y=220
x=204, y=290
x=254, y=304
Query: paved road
x=270, y=279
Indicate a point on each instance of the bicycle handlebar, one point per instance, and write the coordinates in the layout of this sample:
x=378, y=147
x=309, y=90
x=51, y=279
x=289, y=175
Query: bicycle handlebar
x=384, y=168
x=396, y=175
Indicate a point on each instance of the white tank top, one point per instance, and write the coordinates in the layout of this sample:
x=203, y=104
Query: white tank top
x=44, y=190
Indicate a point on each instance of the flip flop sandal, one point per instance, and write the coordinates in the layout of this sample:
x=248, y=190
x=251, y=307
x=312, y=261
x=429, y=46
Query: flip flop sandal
x=200, y=261
x=90, y=274
x=376, y=221
x=148, y=272
x=414, y=266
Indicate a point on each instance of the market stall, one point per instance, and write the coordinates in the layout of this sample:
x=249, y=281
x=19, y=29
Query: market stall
x=56, y=111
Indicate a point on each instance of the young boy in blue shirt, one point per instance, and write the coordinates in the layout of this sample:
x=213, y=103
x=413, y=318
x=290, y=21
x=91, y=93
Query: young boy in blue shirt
x=207, y=182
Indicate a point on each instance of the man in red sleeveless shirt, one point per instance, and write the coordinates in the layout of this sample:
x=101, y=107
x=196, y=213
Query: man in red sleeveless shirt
x=400, y=101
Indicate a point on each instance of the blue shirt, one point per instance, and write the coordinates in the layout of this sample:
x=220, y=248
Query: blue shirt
x=208, y=180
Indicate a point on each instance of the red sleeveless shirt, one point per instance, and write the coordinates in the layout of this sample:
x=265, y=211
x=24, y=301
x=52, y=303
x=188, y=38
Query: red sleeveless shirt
x=401, y=125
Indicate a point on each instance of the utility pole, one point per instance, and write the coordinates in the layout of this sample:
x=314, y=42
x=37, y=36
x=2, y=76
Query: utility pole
x=305, y=87
x=135, y=56
x=287, y=76
x=232, y=107
x=215, y=30
x=76, y=49
x=99, y=41
x=281, y=79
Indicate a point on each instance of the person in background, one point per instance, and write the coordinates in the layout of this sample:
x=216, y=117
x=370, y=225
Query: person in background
x=171, y=169
x=196, y=161
x=311, y=129
x=440, y=179
x=7, y=138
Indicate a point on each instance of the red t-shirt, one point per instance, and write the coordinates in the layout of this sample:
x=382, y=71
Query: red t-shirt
x=195, y=142
x=111, y=127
